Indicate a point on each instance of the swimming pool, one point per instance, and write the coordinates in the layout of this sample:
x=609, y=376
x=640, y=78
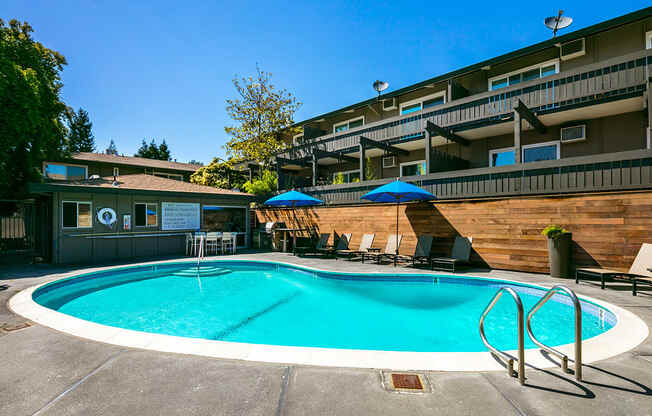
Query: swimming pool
x=278, y=304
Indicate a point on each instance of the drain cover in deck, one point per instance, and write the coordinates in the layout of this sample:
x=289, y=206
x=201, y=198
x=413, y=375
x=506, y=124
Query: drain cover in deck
x=15, y=327
x=405, y=382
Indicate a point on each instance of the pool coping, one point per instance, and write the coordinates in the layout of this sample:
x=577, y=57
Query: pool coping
x=628, y=333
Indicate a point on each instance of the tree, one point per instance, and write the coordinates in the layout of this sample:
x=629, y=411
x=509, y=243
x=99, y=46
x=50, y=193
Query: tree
x=31, y=111
x=196, y=162
x=112, y=149
x=262, y=186
x=164, y=151
x=218, y=173
x=154, y=151
x=80, y=132
x=262, y=113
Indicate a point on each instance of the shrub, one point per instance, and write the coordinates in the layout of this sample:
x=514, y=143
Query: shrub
x=554, y=231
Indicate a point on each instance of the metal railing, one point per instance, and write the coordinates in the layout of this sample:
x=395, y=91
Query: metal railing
x=601, y=81
x=521, y=335
x=578, y=329
x=603, y=172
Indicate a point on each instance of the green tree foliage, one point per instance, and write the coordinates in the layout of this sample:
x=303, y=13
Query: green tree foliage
x=112, y=149
x=31, y=111
x=369, y=171
x=262, y=186
x=219, y=174
x=261, y=113
x=154, y=151
x=338, y=179
x=80, y=132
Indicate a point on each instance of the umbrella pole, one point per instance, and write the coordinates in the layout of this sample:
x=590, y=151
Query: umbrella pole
x=396, y=253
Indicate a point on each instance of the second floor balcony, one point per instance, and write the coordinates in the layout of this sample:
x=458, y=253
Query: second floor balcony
x=616, y=85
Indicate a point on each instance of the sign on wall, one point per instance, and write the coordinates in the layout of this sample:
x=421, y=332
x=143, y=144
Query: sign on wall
x=180, y=216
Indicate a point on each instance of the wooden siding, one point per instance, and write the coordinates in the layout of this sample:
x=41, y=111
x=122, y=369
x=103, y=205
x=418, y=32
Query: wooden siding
x=608, y=229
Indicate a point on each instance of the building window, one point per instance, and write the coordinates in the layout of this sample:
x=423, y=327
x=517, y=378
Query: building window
x=348, y=125
x=524, y=74
x=349, y=176
x=540, y=151
x=648, y=40
x=61, y=171
x=422, y=103
x=229, y=219
x=298, y=139
x=76, y=214
x=116, y=172
x=146, y=215
x=174, y=176
x=502, y=157
x=413, y=168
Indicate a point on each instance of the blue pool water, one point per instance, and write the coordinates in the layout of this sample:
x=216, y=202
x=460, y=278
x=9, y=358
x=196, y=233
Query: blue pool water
x=268, y=303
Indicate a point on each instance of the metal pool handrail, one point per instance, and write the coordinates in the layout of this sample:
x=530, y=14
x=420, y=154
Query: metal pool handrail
x=521, y=335
x=578, y=330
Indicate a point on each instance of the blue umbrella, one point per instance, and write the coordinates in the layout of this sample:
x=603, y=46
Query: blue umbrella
x=293, y=199
x=398, y=192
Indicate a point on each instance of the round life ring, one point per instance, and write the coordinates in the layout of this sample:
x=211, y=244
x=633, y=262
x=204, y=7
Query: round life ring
x=107, y=216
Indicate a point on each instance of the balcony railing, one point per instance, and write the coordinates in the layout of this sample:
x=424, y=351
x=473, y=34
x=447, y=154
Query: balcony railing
x=605, y=172
x=606, y=80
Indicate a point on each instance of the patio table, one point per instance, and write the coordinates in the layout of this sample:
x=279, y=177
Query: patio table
x=294, y=236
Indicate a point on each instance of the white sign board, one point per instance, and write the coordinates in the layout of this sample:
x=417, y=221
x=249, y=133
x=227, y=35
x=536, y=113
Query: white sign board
x=179, y=216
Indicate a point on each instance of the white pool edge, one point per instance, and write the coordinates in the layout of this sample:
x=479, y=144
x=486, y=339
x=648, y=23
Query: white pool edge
x=628, y=333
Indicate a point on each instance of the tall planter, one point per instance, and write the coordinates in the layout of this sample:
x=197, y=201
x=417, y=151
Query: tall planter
x=559, y=253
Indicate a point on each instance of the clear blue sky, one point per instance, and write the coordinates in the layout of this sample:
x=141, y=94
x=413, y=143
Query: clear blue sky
x=164, y=69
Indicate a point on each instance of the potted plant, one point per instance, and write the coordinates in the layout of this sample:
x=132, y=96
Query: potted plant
x=559, y=250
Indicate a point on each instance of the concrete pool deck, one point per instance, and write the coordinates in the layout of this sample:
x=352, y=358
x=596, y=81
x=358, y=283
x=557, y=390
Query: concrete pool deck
x=51, y=373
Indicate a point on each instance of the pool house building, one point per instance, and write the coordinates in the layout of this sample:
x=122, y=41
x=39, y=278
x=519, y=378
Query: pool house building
x=95, y=208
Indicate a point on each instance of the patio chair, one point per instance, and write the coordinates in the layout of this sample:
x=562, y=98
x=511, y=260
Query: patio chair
x=393, y=243
x=189, y=243
x=212, y=242
x=639, y=273
x=365, y=244
x=228, y=243
x=342, y=244
x=460, y=255
x=321, y=243
x=421, y=252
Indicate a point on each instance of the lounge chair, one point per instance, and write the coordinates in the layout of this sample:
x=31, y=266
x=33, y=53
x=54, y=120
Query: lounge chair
x=421, y=252
x=342, y=244
x=391, y=248
x=313, y=248
x=460, y=255
x=365, y=244
x=639, y=272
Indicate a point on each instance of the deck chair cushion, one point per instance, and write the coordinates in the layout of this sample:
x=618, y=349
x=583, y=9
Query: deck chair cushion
x=643, y=261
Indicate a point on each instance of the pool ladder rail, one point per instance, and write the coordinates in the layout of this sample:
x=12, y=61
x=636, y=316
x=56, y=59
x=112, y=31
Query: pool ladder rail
x=521, y=334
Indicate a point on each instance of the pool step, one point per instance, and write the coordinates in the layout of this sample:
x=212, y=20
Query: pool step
x=202, y=271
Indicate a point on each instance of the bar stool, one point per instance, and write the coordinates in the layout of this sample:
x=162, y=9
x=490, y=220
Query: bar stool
x=212, y=242
x=189, y=243
x=228, y=243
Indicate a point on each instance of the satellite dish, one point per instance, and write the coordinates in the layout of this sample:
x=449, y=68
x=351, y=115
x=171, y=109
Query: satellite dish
x=380, y=86
x=555, y=23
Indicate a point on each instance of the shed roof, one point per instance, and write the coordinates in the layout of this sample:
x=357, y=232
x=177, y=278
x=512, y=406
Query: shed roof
x=137, y=182
x=134, y=161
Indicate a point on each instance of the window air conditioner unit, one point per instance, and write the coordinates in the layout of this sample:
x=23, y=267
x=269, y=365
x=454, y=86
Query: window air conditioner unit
x=570, y=50
x=389, y=162
x=573, y=133
x=390, y=104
